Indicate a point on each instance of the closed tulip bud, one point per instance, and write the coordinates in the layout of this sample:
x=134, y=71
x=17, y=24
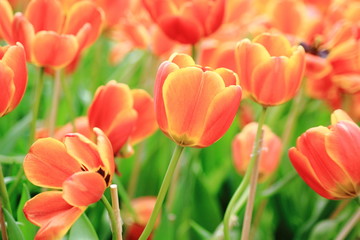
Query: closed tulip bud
x=242, y=147
x=269, y=69
x=195, y=105
x=327, y=159
x=13, y=77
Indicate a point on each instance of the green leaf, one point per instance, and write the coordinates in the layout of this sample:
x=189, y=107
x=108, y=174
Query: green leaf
x=11, y=159
x=324, y=230
x=27, y=228
x=203, y=233
x=83, y=230
x=13, y=229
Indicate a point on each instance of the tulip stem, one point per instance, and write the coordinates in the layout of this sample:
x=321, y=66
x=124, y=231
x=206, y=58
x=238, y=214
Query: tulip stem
x=163, y=190
x=3, y=192
x=114, y=228
x=2, y=223
x=349, y=225
x=116, y=209
x=194, y=53
x=55, y=102
x=38, y=88
x=252, y=169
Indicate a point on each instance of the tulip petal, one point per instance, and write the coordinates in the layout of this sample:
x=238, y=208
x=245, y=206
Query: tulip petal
x=343, y=145
x=146, y=121
x=83, y=188
x=303, y=167
x=156, y=8
x=83, y=150
x=248, y=56
x=81, y=13
x=7, y=87
x=23, y=32
x=339, y=115
x=349, y=82
x=121, y=128
x=188, y=93
x=105, y=150
x=53, y=50
x=264, y=89
x=182, y=60
x=276, y=44
x=220, y=114
x=15, y=59
x=229, y=77
x=294, y=72
x=109, y=100
x=330, y=174
x=48, y=164
x=215, y=16
x=45, y=15
x=54, y=216
x=6, y=19
x=164, y=70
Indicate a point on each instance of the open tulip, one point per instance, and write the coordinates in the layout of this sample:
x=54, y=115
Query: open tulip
x=327, y=158
x=187, y=21
x=269, y=69
x=78, y=169
x=242, y=147
x=126, y=116
x=195, y=105
x=13, y=77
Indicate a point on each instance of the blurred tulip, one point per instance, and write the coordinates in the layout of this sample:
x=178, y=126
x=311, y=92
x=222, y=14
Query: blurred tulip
x=143, y=207
x=126, y=116
x=13, y=77
x=327, y=158
x=242, y=147
x=195, y=105
x=187, y=21
x=81, y=170
x=269, y=69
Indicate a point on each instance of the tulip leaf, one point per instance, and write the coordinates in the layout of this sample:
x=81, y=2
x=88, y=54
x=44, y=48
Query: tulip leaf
x=27, y=228
x=13, y=229
x=326, y=229
x=83, y=229
x=203, y=233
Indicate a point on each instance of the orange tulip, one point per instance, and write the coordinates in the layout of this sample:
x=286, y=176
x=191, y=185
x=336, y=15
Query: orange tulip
x=327, y=158
x=80, y=171
x=269, y=69
x=143, y=207
x=187, y=21
x=50, y=37
x=242, y=147
x=13, y=77
x=126, y=116
x=195, y=105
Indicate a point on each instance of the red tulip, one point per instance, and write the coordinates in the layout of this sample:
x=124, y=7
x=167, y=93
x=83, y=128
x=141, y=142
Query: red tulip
x=195, y=105
x=327, y=158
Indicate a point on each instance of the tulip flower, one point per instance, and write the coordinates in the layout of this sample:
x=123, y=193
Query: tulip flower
x=187, y=21
x=78, y=169
x=269, y=69
x=126, y=116
x=143, y=207
x=13, y=77
x=195, y=105
x=242, y=147
x=327, y=158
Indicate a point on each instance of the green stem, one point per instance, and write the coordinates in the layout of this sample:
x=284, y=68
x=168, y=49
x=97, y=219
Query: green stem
x=2, y=223
x=114, y=229
x=349, y=225
x=38, y=88
x=135, y=172
x=194, y=53
x=245, y=182
x=55, y=102
x=116, y=209
x=163, y=189
x=3, y=192
x=17, y=180
x=68, y=97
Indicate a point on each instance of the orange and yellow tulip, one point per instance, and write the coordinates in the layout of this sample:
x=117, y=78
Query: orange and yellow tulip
x=126, y=116
x=242, y=147
x=79, y=171
x=327, y=158
x=13, y=77
x=269, y=69
x=195, y=105
x=187, y=21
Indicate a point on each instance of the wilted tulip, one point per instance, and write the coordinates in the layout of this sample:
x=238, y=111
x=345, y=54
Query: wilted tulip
x=327, y=159
x=195, y=105
x=242, y=147
x=126, y=116
x=269, y=69
x=13, y=77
